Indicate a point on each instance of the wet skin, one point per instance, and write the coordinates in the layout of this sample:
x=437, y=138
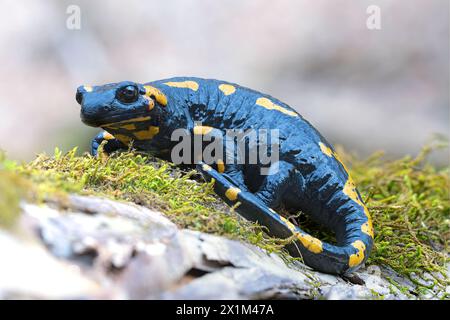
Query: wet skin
x=308, y=176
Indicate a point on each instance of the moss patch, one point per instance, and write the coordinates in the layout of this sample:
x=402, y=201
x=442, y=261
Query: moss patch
x=12, y=188
x=410, y=205
x=408, y=199
x=147, y=181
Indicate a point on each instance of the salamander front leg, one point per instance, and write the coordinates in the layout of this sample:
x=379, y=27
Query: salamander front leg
x=112, y=145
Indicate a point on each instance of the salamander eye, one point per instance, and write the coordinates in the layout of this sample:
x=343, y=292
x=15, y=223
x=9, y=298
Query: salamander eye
x=127, y=94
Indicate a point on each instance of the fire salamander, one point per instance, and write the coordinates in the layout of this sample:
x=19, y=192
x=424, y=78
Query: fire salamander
x=309, y=174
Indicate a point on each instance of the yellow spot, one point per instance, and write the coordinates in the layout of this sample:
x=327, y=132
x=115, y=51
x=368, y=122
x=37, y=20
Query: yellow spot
x=151, y=103
x=325, y=149
x=123, y=138
x=350, y=190
x=232, y=193
x=309, y=242
x=206, y=167
x=367, y=227
x=266, y=103
x=128, y=127
x=227, y=89
x=120, y=123
x=202, y=130
x=159, y=96
x=289, y=224
x=220, y=166
x=107, y=136
x=356, y=258
x=88, y=88
x=183, y=84
x=147, y=134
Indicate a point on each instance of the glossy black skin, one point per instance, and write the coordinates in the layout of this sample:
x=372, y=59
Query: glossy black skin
x=308, y=178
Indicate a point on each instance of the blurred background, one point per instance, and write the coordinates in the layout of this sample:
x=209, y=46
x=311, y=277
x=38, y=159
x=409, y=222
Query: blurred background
x=364, y=89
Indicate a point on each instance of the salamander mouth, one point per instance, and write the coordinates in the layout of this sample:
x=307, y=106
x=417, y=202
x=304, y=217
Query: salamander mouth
x=95, y=121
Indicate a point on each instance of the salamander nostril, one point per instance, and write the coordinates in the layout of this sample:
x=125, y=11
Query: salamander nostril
x=106, y=107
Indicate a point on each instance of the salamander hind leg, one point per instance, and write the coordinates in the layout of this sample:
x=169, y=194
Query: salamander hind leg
x=282, y=178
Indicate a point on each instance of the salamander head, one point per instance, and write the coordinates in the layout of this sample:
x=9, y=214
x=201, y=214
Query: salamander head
x=115, y=102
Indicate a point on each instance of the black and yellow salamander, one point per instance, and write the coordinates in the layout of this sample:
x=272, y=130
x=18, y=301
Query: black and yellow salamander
x=308, y=174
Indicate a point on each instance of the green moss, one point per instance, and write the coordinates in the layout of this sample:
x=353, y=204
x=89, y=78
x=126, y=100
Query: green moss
x=145, y=180
x=409, y=202
x=12, y=189
x=408, y=199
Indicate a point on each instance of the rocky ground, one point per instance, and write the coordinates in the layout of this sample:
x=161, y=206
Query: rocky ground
x=89, y=247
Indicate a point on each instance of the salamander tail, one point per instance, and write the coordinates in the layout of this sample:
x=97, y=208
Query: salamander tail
x=354, y=245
